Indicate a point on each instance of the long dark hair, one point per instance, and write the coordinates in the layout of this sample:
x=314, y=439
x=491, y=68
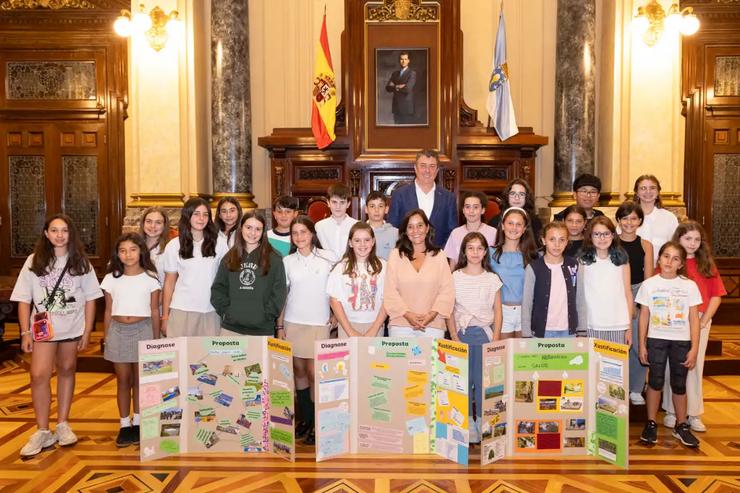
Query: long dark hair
x=704, y=260
x=233, y=259
x=220, y=224
x=164, y=236
x=462, y=260
x=116, y=267
x=43, y=252
x=527, y=244
x=375, y=266
x=310, y=226
x=210, y=232
x=405, y=248
x=588, y=251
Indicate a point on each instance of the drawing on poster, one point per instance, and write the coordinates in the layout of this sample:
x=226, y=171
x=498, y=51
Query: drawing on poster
x=572, y=387
x=571, y=404
x=170, y=393
x=157, y=367
x=526, y=442
x=575, y=424
x=616, y=391
x=493, y=392
x=499, y=430
x=574, y=442
x=170, y=430
x=524, y=391
x=171, y=414
x=547, y=404
x=607, y=404
x=548, y=426
x=195, y=393
x=607, y=449
x=208, y=378
x=525, y=427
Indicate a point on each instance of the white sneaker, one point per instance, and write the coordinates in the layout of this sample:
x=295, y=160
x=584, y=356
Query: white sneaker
x=637, y=399
x=38, y=441
x=65, y=434
x=669, y=420
x=473, y=431
x=696, y=424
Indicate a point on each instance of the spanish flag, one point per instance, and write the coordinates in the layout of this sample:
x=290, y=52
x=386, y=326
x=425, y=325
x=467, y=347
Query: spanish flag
x=323, y=113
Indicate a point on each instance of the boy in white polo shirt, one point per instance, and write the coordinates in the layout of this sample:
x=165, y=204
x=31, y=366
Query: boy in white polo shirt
x=333, y=232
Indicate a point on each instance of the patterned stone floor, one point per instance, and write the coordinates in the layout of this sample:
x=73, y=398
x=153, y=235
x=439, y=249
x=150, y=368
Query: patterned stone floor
x=96, y=465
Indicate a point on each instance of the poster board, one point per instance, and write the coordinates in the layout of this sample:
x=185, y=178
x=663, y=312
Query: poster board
x=216, y=394
x=555, y=397
x=379, y=395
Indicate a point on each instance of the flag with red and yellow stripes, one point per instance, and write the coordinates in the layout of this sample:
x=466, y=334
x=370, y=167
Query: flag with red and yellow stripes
x=323, y=112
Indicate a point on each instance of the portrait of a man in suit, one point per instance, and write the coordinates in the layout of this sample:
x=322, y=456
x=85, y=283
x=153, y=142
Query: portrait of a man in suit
x=402, y=91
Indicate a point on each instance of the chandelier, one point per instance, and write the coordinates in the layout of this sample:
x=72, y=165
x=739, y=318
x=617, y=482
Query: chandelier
x=651, y=21
x=156, y=26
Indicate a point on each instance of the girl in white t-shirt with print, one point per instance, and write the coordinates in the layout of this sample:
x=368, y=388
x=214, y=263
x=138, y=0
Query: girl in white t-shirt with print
x=131, y=315
x=57, y=279
x=190, y=263
x=355, y=286
x=477, y=316
x=305, y=318
x=669, y=333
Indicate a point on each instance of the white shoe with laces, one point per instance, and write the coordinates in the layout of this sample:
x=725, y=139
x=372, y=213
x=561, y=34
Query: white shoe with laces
x=637, y=399
x=40, y=440
x=65, y=435
x=696, y=424
x=669, y=420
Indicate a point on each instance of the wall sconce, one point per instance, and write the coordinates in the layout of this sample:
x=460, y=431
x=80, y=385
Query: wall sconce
x=156, y=26
x=651, y=20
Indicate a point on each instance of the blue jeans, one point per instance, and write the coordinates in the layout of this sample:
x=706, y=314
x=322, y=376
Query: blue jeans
x=551, y=334
x=474, y=337
x=637, y=371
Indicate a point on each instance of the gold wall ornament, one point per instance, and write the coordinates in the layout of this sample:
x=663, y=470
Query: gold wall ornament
x=652, y=20
x=157, y=26
x=402, y=10
x=45, y=4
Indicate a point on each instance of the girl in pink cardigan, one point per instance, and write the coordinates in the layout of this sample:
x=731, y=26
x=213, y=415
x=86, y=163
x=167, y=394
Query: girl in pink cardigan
x=419, y=291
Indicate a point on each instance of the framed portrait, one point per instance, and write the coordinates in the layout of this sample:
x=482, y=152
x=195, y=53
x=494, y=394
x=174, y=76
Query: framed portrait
x=402, y=81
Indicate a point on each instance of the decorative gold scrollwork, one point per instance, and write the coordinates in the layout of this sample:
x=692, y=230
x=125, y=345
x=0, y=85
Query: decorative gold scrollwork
x=45, y=4
x=403, y=10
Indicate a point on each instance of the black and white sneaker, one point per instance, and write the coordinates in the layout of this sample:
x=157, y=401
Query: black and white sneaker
x=682, y=431
x=124, y=438
x=650, y=433
x=135, y=434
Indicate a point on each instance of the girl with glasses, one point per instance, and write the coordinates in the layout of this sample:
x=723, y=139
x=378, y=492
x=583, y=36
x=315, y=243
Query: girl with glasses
x=518, y=194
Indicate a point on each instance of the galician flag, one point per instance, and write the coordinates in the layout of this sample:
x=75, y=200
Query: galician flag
x=323, y=113
x=499, y=104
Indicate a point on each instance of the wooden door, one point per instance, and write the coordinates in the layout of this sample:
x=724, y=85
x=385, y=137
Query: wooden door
x=51, y=167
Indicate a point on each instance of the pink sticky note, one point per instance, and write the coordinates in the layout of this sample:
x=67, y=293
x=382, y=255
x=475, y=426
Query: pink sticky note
x=150, y=396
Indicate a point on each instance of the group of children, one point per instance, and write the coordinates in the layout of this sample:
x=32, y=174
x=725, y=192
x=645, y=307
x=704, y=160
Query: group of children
x=299, y=280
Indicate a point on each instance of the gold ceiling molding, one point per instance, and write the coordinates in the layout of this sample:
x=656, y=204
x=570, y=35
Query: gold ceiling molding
x=45, y=4
x=403, y=10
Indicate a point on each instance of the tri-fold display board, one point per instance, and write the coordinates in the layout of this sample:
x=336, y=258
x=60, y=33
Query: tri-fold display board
x=407, y=396
x=216, y=394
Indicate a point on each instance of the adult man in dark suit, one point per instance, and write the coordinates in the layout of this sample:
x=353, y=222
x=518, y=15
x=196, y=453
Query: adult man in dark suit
x=439, y=204
x=401, y=84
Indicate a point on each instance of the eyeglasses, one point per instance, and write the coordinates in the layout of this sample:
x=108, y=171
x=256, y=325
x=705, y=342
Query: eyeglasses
x=601, y=236
x=518, y=195
x=589, y=193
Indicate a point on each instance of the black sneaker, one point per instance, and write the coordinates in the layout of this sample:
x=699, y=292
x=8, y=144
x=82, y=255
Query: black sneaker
x=135, y=433
x=682, y=431
x=301, y=429
x=124, y=438
x=310, y=437
x=650, y=433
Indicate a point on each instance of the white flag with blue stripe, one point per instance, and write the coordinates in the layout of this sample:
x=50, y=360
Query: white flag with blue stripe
x=499, y=104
